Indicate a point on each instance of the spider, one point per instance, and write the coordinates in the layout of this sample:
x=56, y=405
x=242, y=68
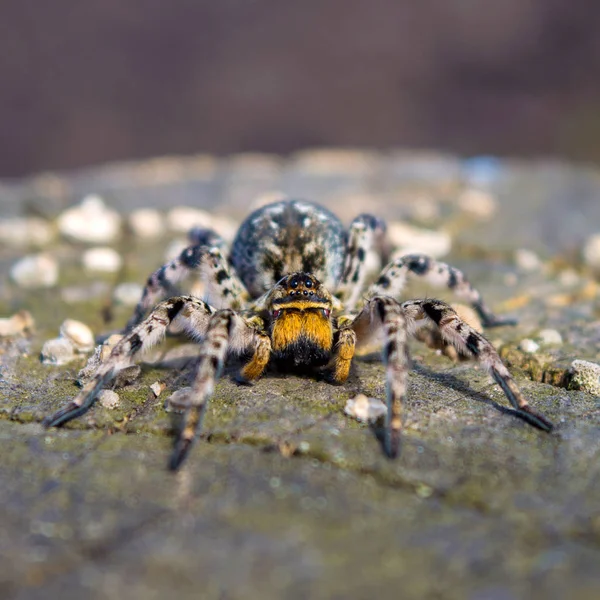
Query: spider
x=271, y=301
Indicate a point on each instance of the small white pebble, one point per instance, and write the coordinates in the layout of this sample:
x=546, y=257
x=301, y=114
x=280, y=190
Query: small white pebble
x=90, y=221
x=477, y=203
x=157, y=387
x=529, y=346
x=409, y=239
x=17, y=324
x=109, y=399
x=25, y=231
x=128, y=293
x=102, y=259
x=527, y=260
x=591, y=251
x=57, y=351
x=568, y=278
x=550, y=337
x=365, y=409
x=147, y=223
x=182, y=218
x=79, y=334
x=585, y=376
x=35, y=271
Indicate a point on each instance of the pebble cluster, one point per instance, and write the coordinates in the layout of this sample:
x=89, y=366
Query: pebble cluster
x=75, y=338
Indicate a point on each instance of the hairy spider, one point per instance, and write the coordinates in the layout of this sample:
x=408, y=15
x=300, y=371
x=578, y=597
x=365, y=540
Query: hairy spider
x=271, y=300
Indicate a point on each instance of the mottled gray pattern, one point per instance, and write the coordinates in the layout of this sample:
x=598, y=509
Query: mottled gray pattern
x=285, y=237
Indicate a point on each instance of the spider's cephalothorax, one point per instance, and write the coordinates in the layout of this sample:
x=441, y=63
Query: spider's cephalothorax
x=292, y=293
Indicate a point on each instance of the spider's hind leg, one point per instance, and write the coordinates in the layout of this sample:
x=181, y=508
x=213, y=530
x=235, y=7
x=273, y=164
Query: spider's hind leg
x=364, y=247
x=393, y=279
x=204, y=257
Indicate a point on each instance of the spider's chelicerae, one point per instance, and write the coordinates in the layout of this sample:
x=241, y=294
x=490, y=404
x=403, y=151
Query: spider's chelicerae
x=291, y=293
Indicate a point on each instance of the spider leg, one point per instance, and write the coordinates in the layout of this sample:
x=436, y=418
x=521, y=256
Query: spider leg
x=226, y=331
x=393, y=279
x=224, y=289
x=387, y=313
x=192, y=313
x=471, y=343
x=363, y=246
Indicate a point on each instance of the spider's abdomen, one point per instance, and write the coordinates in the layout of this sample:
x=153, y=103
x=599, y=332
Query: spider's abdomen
x=285, y=237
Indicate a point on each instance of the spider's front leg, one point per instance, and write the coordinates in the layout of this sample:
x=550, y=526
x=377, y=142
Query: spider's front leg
x=226, y=332
x=471, y=343
x=393, y=278
x=386, y=313
x=191, y=313
x=204, y=257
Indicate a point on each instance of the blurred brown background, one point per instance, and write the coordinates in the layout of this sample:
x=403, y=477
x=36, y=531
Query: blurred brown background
x=88, y=81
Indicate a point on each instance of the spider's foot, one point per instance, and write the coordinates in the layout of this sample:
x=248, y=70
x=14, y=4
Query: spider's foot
x=241, y=380
x=70, y=411
x=392, y=442
x=182, y=448
x=489, y=321
x=535, y=418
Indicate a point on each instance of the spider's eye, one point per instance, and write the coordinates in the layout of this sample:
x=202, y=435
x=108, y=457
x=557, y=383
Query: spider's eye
x=276, y=313
x=326, y=312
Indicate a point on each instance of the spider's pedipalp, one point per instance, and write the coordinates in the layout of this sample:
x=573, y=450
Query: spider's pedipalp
x=393, y=278
x=343, y=353
x=223, y=288
x=193, y=315
x=469, y=342
x=387, y=313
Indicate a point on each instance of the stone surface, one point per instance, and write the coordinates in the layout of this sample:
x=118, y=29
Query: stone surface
x=285, y=495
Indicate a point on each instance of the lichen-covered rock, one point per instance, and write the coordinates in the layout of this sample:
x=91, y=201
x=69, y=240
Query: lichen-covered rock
x=109, y=399
x=585, y=376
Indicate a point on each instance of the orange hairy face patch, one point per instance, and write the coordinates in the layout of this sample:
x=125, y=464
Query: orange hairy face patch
x=293, y=325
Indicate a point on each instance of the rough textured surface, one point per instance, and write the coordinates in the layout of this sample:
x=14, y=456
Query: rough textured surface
x=286, y=496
